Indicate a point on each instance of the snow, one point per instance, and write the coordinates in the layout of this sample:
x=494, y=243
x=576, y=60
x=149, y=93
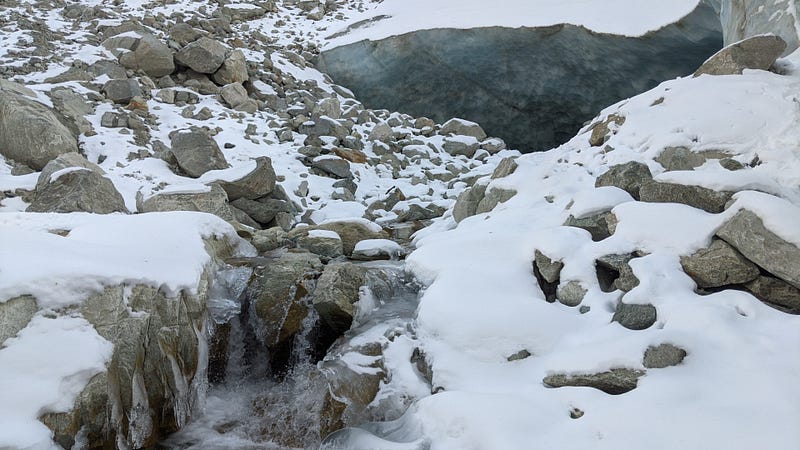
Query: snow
x=621, y=17
x=64, y=270
x=324, y=234
x=44, y=369
x=372, y=247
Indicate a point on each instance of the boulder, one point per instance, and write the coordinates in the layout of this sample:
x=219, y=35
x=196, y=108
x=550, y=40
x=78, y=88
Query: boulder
x=270, y=239
x=614, y=382
x=183, y=34
x=149, y=55
x=467, y=202
x=699, y=197
x=122, y=91
x=30, y=132
x=352, y=232
x=336, y=293
x=664, y=355
x=746, y=233
x=597, y=225
x=601, y=130
x=614, y=272
x=506, y=167
x=757, y=52
x=214, y=201
x=682, y=158
x=461, y=146
x=276, y=295
x=258, y=183
x=262, y=211
x=74, y=107
x=15, y=313
x=325, y=244
x=719, y=265
x=204, y=55
x=235, y=96
x=629, y=177
x=462, y=127
x=196, y=153
x=377, y=249
x=334, y=166
x=775, y=291
x=78, y=190
x=64, y=161
x=635, y=316
x=233, y=69
x=381, y=132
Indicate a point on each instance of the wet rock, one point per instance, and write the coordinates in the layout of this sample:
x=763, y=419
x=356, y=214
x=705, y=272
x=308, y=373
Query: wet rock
x=570, y=293
x=664, y=355
x=775, y=291
x=629, y=177
x=15, y=314
x=233, y=69
x=204, y=55
x=196, y=153
x=215, y=201
x=78, y=190
x=270, y=239
x=597, y=225
x=681, y=158
x=635, y=316
x=122, y=91
x=601, y=130
x=757, y=52
x=258, y=183
x=276, y=296
x=336, y=293
x=614, y=382
x=30, y=132
x=719, y=265
x=695, y=196
x=462, y=127
x=746, y=233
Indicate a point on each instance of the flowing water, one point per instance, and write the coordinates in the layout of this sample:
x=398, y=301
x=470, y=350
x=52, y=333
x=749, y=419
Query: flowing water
x=248, y=407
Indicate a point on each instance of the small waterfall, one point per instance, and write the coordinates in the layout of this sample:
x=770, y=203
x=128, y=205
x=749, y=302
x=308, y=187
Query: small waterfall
x=250, y=407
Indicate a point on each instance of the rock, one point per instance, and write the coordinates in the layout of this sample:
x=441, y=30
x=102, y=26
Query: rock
x=506, y=167
x=353, y=156
x=776, y=292
x=493, y=197
x=416, y=212
x=328, y=107
x=196, y=153
x=629, y=177
x=336, y=293
x=681, y=158
x=664, y=355
x=493, y=145
x=270, y=239
x=30, y=132
x=461, y=146
x=757, y=52
x=614, y=382
x=263, y=211
x=243, y=12
x=121, y=91
x=377, y=249
x=233, y=69
x=64, y=161
x=276, y=295
x=719, y=265
x=467, y=202
x=15, y=313
x=78, y=190
x=382, y=132
x=335, y=166
x=550, y=270
x=463, y=128
x=600, y=130
x=215, y=201
x=258, y=183
x=352, y=232
x=151, y=56
x=614, y=272
x=634, y=316
x=325, y=244
x=74, y=107
x=570, y=293
x=746, y=233
x=323, y=126
x=235, y=95
x=597, y=225
x=244, y=219
x=695, y=196
x=204, y=55
x=183, y=33
x=520, y=355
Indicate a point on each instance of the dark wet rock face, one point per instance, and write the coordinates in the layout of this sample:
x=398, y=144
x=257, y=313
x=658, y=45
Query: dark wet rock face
x=535, y=87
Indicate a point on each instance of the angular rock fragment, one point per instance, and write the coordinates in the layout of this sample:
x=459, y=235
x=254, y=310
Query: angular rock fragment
x=629, y=177
x=196, y=153
x=614, y=382
x=78, y=190
x=699, y=197
x=757, y=52
x=634, y=316
x=719, y=265
x=204, y=55
x=664, y=355
x=258, y=183
x=336, y=293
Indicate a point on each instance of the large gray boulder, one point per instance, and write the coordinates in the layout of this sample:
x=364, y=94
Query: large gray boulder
x=757, y=52
x=706, y=199
x=15, y=314
x=682, y=158
x=775, y=291
x=233, y=69
x=121, y=91
x=493, y=197
x=337, y=167
x=235, y=96
x=214, y=201
x=629, y=177
x=325, y=246
x=635, y=316
x=196, y=153
x=256, y=184
x=614, y=382
x=276, y=296
x=78, y=190
x=204, y=55
x=30, y=132
x=149, y=55
x=463, y=127
x=468, y=201
x=719, y=265
x=337, y=292
x=64, y=161
x=263, y=211
x=746, y=233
